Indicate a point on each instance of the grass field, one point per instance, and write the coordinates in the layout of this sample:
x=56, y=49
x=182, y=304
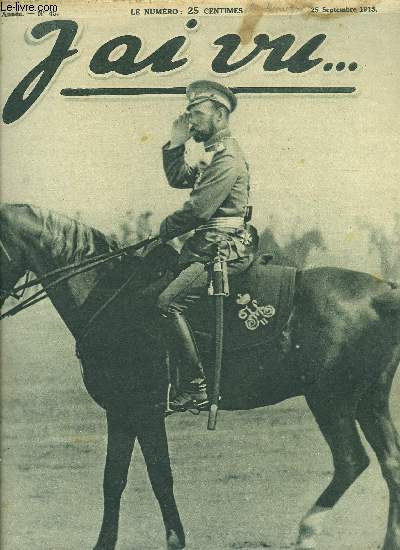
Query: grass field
x=243, y=487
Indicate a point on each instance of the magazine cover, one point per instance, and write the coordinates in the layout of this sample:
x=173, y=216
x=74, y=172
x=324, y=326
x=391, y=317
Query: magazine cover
x=200, y=256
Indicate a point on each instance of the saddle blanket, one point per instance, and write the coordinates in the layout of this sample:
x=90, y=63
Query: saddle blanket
x=255, y=312
x=257, y=309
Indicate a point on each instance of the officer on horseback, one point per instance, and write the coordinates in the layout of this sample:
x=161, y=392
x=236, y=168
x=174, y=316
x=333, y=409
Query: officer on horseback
x=216, y=211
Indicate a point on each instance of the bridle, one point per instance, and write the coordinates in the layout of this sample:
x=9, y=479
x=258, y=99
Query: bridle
x=16, y=293
x=4, y=249
x=59, y=275
x=4, y=294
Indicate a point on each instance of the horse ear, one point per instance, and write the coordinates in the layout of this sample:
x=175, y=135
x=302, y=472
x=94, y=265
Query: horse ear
x=255, y=239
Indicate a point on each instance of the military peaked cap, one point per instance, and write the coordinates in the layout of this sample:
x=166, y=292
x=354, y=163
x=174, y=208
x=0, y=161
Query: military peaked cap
x=206, y=90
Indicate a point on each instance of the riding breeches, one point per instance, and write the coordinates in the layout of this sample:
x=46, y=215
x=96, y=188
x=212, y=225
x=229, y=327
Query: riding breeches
x=191, y=285
x=184, y=291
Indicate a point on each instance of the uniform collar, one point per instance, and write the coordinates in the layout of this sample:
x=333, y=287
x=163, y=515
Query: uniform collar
x=216, y=138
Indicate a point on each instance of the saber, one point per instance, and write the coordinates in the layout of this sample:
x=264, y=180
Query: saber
x=220, y=291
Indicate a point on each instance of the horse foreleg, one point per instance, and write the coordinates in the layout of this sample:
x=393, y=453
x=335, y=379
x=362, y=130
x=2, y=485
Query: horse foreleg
x=121, y=439
x=153, y=442
x=339, y=428
x=374, y=417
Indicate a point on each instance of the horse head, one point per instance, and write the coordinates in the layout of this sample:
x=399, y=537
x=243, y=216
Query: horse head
x=13, y=257
x=39, y=241
x=315, y=239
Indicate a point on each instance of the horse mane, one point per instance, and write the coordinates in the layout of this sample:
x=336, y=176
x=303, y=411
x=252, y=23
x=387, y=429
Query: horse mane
x=68, y=238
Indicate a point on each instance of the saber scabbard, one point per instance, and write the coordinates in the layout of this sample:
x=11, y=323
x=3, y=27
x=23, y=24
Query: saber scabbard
x=220, y=290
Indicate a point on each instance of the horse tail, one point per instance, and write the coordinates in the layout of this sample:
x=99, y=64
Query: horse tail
x=389, y=301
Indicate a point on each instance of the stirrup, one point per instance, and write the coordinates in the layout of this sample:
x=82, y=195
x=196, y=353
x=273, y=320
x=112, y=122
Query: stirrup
x=187, y=401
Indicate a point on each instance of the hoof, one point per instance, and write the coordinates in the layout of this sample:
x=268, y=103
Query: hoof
x=306, y=539
x=306, y=544
x=174, y=542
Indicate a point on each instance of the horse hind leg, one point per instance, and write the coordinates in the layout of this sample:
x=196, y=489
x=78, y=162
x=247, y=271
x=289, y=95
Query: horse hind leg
x=375, y=420
x=338, y=426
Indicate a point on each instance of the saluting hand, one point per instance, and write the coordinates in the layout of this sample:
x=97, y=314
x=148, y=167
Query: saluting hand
x=180, y=131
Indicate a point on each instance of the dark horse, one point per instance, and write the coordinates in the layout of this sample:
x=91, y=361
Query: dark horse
x=343, y=348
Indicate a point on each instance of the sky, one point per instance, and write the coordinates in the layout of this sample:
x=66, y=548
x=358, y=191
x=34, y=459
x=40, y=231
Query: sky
x=327, y=160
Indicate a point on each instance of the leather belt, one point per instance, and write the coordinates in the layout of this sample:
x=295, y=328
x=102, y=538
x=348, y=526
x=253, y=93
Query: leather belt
x=226, y=222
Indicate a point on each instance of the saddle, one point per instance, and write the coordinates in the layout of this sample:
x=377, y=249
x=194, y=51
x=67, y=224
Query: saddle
x=255, y=312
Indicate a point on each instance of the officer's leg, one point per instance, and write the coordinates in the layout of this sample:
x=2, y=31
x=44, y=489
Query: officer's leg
x=183, y=292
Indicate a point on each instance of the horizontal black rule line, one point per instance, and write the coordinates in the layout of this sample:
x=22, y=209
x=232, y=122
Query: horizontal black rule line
x=294, y=90
x=179, y=90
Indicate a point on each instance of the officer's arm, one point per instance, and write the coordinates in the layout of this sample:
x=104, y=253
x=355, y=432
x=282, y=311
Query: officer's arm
x=215, y=186
x=179, y=174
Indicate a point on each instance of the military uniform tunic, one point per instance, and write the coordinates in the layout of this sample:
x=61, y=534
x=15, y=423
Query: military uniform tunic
x=220, y=189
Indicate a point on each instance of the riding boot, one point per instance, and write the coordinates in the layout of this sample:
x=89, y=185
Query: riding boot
x=193, y=386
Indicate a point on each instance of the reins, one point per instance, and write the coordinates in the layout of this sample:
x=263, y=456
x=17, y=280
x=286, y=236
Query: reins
x=77, y=268
x=14, y=292
x=101, y=309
